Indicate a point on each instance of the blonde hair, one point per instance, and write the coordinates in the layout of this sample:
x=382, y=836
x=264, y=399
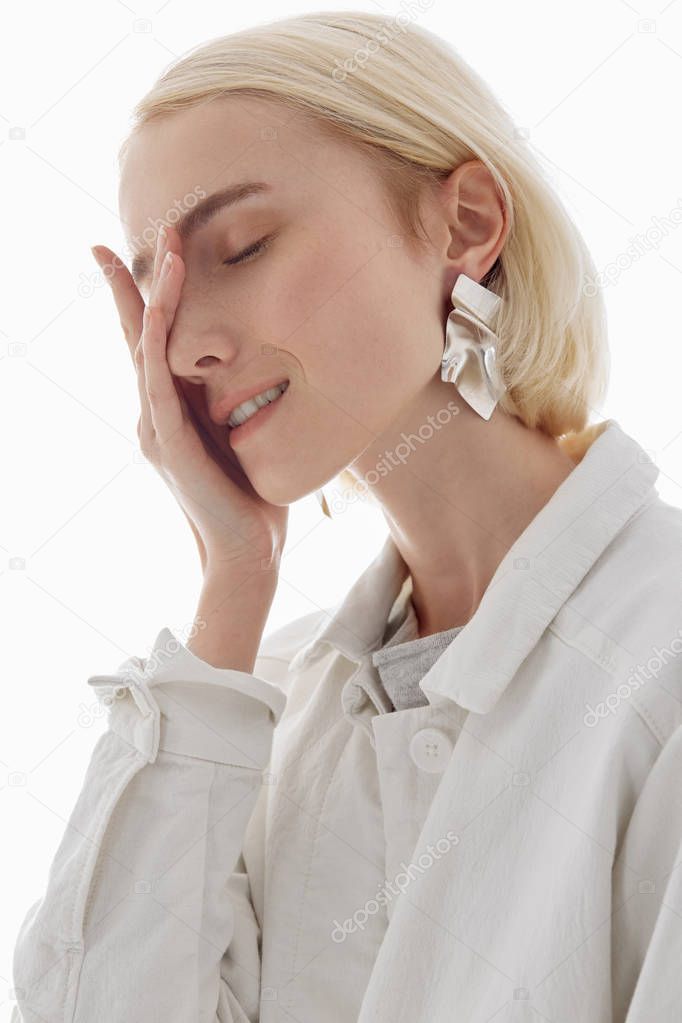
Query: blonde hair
x=416, y=110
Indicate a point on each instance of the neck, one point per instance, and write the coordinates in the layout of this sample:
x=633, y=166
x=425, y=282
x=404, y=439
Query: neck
x=456, y=496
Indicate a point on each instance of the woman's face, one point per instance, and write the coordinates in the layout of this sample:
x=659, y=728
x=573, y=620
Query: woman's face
x=337, y=301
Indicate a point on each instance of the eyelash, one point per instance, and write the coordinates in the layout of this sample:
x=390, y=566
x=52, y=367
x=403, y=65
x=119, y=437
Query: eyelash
x=246, y=254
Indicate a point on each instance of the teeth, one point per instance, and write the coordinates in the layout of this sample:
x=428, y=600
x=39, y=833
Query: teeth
x=248, y=408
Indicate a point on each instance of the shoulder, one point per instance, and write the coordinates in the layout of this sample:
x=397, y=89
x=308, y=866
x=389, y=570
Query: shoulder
x=626, y=614
x=642, y=569
x=656, y=529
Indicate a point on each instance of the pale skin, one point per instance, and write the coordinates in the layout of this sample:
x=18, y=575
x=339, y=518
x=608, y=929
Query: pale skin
x=353, y=314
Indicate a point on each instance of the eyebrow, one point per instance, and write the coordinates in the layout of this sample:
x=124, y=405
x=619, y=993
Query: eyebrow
x=142, y=265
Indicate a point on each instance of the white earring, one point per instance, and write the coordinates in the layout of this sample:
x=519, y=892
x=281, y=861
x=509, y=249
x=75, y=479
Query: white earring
x=470, y=354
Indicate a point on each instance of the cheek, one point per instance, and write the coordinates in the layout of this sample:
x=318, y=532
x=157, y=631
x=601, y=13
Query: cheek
x=353, y=315
x=328, y=294
x=306, y=290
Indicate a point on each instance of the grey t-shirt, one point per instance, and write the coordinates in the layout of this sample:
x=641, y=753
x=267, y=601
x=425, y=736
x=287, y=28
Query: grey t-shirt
x=405, y=656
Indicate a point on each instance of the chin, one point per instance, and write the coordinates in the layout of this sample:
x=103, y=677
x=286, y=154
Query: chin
x=280, y=492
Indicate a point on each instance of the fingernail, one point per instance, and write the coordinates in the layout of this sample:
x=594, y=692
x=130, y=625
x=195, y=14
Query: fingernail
x=96, y=255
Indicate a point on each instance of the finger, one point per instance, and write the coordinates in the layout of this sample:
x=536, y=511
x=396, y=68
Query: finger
x=154, y=375
x=128, y=300
x=159, y=253
x=131, y=308
x=166, y=293
x=146, y=425
x=164, y=402
x=167, y=279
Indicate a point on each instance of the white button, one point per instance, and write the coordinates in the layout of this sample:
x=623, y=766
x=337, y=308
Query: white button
x=430, y=749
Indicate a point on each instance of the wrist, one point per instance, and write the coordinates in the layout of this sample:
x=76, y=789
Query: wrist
x=222, y=572
x=222, y=566
x=232, y=611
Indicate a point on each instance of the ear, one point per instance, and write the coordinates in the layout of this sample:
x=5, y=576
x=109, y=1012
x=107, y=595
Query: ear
x=475, y=222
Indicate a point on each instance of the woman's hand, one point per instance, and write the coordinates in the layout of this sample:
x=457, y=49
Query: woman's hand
x=232, y=525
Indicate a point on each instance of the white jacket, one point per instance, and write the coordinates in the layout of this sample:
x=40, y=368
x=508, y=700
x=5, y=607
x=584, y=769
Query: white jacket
x=275, y=846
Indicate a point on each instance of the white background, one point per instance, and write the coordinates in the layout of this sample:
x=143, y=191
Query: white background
x=95, y=557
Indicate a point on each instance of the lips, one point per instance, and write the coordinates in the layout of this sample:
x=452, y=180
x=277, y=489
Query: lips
x=220, y=411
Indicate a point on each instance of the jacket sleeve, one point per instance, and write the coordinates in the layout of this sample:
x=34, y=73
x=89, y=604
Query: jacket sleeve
x=647, y=911
x=147, y=913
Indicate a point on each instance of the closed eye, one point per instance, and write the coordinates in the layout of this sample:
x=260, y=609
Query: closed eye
x=246, y=254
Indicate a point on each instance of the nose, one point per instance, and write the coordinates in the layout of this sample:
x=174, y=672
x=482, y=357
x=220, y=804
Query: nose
x=201, y=339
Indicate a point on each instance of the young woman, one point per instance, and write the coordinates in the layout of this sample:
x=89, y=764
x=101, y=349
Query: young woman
x=456, y=796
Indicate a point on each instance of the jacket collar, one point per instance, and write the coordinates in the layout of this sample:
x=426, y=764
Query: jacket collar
x=533, y=581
